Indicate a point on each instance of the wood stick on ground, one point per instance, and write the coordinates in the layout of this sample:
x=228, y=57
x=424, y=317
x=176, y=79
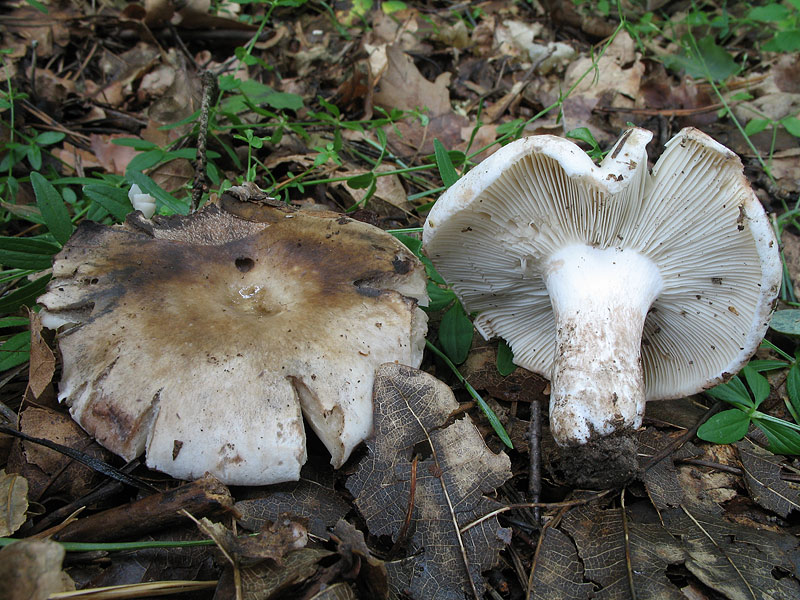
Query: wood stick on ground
x=535, y=450
x=202, y=497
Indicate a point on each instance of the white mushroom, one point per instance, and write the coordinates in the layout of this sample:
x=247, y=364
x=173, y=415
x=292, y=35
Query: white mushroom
x=141, y=201
x=618, y=285
x=200, y=340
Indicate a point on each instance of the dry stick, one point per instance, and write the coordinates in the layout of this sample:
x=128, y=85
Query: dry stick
x=200, y=181
x=686, y=437
x=103, y=492
x=535, y=450
x=156, y=512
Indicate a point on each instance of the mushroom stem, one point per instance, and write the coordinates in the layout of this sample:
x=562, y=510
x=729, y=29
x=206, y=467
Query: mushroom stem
x=600, y=299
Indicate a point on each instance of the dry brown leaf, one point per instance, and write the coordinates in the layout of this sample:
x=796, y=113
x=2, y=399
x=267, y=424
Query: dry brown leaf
x=42, y=362
x=403, y=86
x=372, y=572
x=313, y=498
x=614, y=83
x=737, y=561
x=450, y=480
x=273, y=542
x=623, y=556
x=14, y=507
x=762, y=476
x=557, y=572
x=173, y=175
x=267, y=579
x=112, y=158
x=49, y=470
x=31, y=570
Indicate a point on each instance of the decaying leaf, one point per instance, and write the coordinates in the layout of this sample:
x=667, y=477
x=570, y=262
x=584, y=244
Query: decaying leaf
x=449, y=483
x=372, y=573
x=266, y=579
x=31, y=570
x=737, y=561
x=312, y=497
x=624, y=562
x=661, y=479
x=42, y=363
x=557, y=572
x=273, y=542
x=14, y=504
x=48, y=470
x=762, y=476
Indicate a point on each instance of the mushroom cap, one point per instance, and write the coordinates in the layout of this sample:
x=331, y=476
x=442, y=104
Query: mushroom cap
x=200, y=340
x=695, y=217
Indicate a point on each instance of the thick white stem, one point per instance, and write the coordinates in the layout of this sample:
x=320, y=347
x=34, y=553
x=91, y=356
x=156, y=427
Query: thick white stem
x=600, y=299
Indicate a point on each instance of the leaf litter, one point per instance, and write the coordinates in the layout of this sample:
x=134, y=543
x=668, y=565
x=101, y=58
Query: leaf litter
x=411, y=515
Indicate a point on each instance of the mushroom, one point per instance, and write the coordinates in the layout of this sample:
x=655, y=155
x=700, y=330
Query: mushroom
x=618, y=285
x=141, y=201
x=204, y=340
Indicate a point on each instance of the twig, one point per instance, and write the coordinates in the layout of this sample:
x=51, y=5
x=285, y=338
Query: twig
x=687, y=436
x=200, y=181
x=535, y=450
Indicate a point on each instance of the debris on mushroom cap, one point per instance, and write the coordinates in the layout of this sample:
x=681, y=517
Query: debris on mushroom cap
x=199, y=340
x=619, y=285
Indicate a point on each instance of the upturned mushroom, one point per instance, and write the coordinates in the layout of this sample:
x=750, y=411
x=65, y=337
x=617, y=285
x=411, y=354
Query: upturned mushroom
x=202, y=341
x=618, y=285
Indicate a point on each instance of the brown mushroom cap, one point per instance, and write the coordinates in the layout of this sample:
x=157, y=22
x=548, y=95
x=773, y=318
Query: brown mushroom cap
x=201, y=339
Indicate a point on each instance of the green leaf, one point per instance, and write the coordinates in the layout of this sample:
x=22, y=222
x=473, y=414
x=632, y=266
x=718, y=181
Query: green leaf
x=14, y=322
x=584, y=135
x=15, y=350
x=34, y=155
x=23, y=296
x=784, y=41
x=792, y=125
x=48, y=138
x=145, y=160
x=446, y=169
x=505, y=359
x=455, y=333
x=786, y=321
x=793, y=387
x=732, y=392
x=391, y=6
x=363, y=181
x=27, y=253
x=149, y=186
x=758, y=384
x=284, y=100
x=439, y=298
x=725, y=428
x=54, y=211
x=713, y=58
x=755, y=126
x=135, y=143
x=769, y=13
x=767, y=365
x=782, y=439
x=113, y=199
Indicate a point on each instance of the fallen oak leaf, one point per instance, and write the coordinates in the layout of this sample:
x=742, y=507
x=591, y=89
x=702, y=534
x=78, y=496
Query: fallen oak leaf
x=444, y=562
x=762, y=476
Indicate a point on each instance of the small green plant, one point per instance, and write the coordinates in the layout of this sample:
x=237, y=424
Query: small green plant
x=584, y=135
x=732, y=425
